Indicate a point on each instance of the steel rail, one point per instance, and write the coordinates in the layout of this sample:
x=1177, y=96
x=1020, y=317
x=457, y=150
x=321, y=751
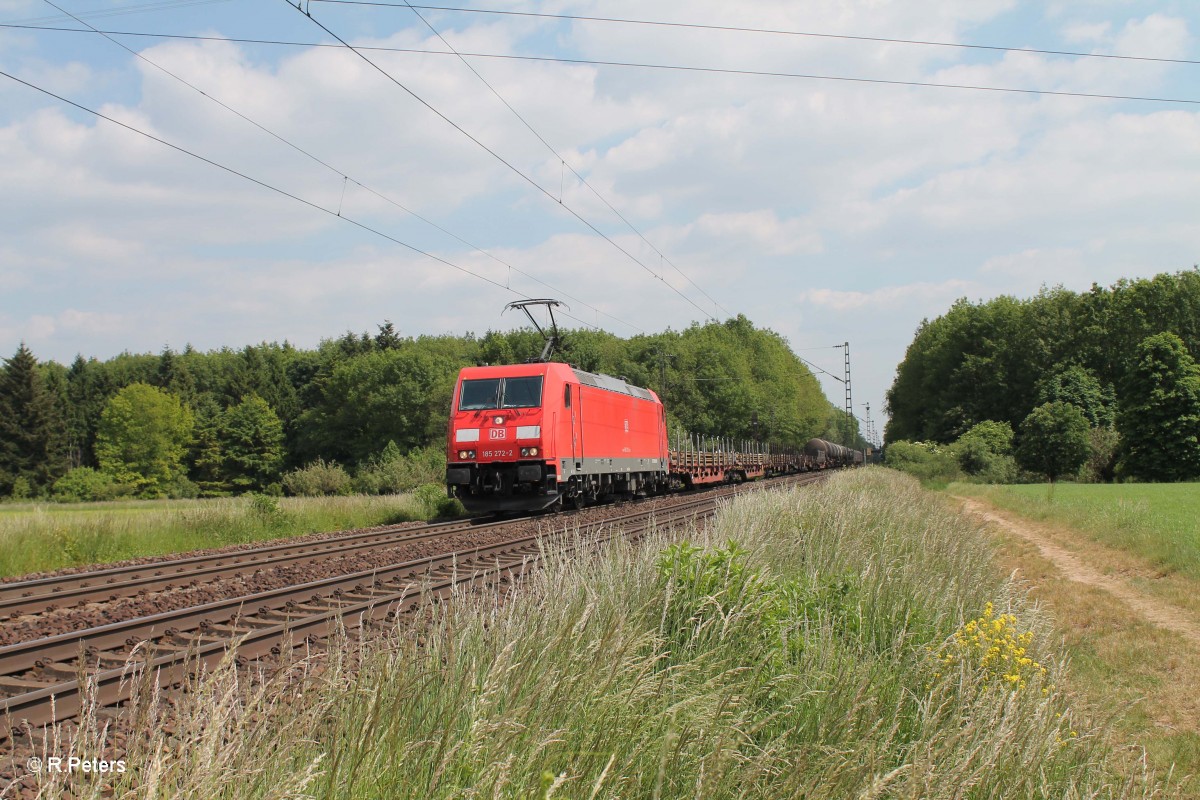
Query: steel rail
x=20, y=596
x=57, y=701
x=40, y=595
x=279, y=616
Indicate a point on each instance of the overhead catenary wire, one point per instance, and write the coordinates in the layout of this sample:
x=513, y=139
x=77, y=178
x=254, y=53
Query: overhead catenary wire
x=769, y=31
x=500, y=158
x=268, y=186
x=561, y=159
x=645, y=65
x=159, y=5
x=172, y=4
x=345, y=178
x=818, y=369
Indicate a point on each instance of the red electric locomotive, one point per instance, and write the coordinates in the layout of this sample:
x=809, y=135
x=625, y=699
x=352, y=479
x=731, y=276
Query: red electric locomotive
x=529, y=436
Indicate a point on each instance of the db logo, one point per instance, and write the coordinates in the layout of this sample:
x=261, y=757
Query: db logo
x=498, y=433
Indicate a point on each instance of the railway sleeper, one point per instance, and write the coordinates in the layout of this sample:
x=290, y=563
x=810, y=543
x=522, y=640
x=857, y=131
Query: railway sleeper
x=360, y=597
x=13, y=685
x=108, y=660
x=306, y=609
x=56, y=672
x=200, y=638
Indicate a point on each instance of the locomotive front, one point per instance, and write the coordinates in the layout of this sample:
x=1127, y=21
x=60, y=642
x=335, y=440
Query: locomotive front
x=499, y=454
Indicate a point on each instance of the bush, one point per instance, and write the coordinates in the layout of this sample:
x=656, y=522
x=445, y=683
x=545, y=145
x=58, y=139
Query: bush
x=1102, y=460
x=392, y=472
x=927, y=461
x=21, y=488
x=319, y=478
x=85, y=485
x=432, y=497
x=180, y=488
x=265, y=508
x=995, y=437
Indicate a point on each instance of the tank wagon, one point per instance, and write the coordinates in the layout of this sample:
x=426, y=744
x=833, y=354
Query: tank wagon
x=827, y=455
x=544, y=435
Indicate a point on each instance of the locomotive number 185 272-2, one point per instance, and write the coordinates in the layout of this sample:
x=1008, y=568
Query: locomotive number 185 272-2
x=496, y=454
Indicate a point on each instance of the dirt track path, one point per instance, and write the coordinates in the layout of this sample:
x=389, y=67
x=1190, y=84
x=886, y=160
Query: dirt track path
x=1074, y=568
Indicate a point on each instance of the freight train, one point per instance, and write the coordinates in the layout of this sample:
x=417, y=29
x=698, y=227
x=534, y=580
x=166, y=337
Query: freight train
x=545, y=435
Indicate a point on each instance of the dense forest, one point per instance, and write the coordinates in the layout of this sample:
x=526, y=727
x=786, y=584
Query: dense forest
x=362, y=412
x=1108, y=376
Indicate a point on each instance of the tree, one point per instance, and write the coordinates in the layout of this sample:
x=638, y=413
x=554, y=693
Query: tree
x=1054, y=440
x=387, y=338
x=174, y=376
x=998, y=359
x=143, y=435
x=1079, y=387
x=33, y=435
x=251, y=438
x=1159, y=420
x=399, y=395
x=205, y=455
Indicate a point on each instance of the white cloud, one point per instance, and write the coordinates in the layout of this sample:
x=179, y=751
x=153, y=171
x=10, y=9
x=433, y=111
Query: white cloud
x=1087, y=31
x=1158, y=34
x=913, y=296
x=831, y=210
x=39, y=327
x=91, y=321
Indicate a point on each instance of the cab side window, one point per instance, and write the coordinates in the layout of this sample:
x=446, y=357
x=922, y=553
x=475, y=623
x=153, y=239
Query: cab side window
x=567, y=395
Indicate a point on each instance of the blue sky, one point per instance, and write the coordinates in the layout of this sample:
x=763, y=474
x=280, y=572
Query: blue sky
x=830, y=211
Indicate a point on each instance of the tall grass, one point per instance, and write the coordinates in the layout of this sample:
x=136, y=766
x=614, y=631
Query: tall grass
x=39, y=537
x=814, y=643
x=1159, y=522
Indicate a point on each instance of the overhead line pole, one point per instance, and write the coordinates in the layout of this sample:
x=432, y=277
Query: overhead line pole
x=849, y=405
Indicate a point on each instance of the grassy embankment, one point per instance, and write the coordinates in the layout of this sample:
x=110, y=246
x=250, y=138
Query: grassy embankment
x=841, y=646
x=47, y=536
x=1148, y=537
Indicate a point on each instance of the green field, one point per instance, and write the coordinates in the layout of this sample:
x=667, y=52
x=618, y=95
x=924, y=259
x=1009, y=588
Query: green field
x=1159, y=522
x=48, y=536
x=834, y=641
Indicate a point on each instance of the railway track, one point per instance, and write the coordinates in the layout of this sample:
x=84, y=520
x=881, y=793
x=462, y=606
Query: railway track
x=46, y=680
x=47, y=594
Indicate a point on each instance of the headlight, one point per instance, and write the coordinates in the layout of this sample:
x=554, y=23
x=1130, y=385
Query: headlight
x=524, y=452
x=533, y=451
x=466, y=454
x=462, y=454
x=528, y=451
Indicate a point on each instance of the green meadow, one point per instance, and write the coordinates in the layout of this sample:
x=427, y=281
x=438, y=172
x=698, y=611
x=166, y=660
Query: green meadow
x=47, y=536
x=1159, y=522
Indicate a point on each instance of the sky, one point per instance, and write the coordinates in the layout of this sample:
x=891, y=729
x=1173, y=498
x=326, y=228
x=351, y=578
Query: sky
x=294, y=192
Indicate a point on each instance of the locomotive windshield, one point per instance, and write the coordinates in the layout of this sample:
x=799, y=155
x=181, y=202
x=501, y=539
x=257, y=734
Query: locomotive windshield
x=522, y=392
x=501, y=393
x=479, y=394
